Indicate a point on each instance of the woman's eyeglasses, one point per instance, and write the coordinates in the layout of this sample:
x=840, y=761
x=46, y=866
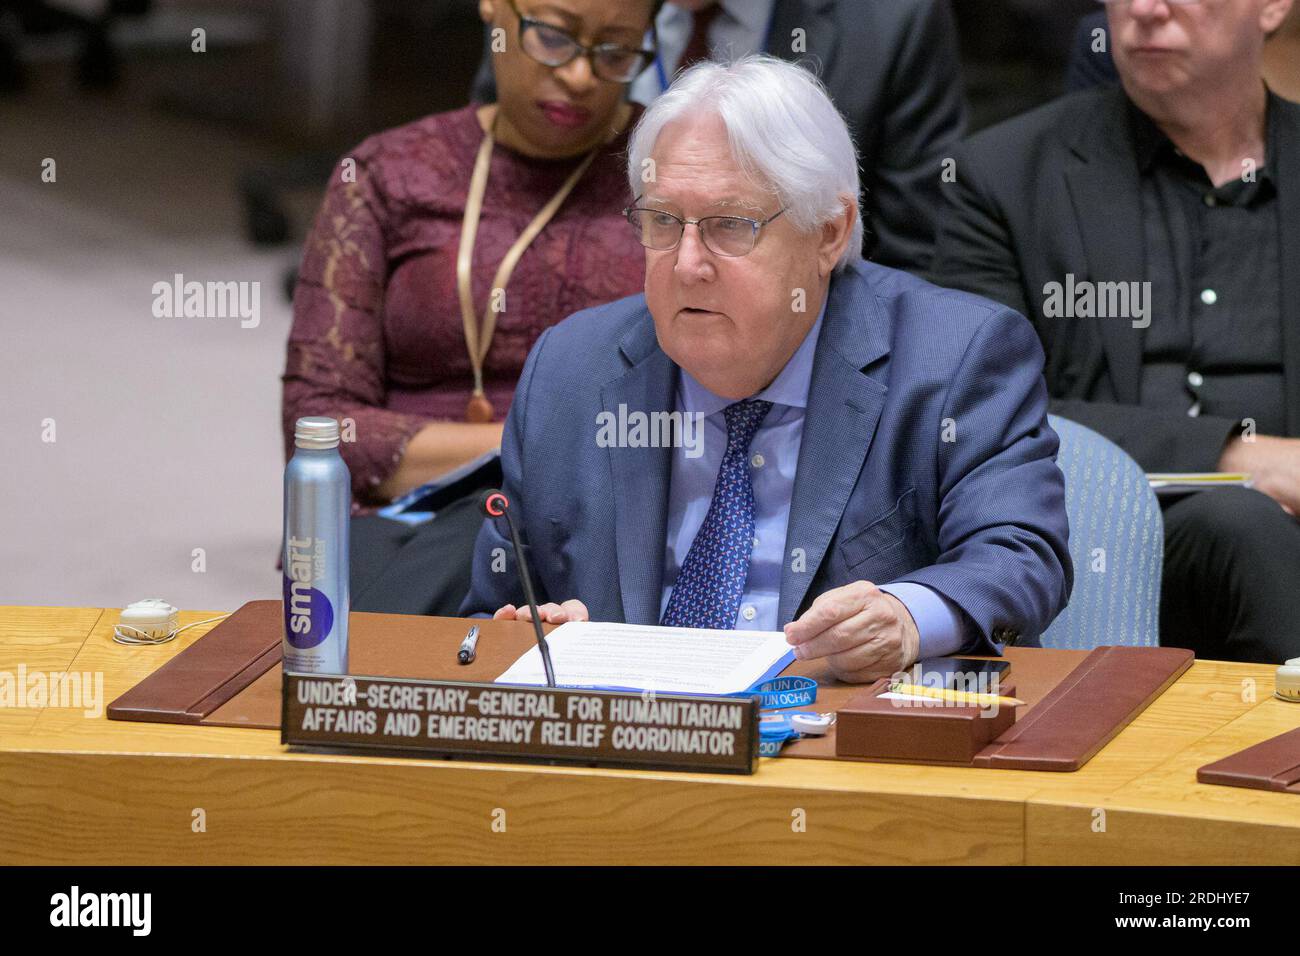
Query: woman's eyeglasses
x=554, y=46
x=724, y=235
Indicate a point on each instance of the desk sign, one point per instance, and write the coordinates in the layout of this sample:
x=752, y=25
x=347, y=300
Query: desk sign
x=451, y=718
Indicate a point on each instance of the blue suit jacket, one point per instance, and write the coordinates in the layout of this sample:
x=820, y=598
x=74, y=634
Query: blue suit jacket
x=926, y=457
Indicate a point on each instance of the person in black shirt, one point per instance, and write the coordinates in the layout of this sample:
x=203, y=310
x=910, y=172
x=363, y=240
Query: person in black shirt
x=1151, y=231
x=1091, y=63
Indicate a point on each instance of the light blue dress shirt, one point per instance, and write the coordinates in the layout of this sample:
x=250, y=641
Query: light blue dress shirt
x=740, y=28
x=774, y=457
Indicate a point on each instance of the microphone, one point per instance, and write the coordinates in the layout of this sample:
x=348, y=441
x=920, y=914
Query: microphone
x=497, y=505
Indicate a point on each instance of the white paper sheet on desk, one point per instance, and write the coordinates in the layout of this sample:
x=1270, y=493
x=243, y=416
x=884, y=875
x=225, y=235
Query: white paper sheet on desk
x=673, y=660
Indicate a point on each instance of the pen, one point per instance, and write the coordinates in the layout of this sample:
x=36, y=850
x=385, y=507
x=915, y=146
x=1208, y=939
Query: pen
x=956, y=696
x=466, y=653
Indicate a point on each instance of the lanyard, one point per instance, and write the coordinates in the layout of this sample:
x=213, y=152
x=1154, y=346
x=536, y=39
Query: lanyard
x=478, y=338
x=784, y=692
x=776, y=729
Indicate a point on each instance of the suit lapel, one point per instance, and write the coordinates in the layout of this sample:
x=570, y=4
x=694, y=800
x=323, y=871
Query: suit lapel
x=1287, y=162
x=1106, y=194
x=844, y=406
x=641, y=475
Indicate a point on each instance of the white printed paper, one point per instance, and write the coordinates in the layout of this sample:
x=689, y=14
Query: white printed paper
x=677, y=660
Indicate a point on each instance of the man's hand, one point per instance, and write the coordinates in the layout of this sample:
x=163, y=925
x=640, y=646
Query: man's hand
x=1273, y=463
x=862, y=632
x=572, y=610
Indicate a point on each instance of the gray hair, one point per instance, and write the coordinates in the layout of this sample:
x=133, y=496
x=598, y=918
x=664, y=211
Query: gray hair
x=785, y=134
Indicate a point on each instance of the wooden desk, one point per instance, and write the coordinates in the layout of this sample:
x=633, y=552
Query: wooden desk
x=86, y=790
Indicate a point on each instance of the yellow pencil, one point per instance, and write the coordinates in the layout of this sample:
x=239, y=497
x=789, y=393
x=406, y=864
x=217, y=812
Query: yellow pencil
x=956, y=696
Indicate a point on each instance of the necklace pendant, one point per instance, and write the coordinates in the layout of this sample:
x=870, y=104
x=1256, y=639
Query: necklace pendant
x=478, y=410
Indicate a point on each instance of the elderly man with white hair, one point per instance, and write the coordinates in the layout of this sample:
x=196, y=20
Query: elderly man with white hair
x=778, y=434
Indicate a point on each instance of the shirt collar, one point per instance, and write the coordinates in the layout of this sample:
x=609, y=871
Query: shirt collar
x=1272, y=134
x=752, y=16
x=1148, y=138
x=790, y=387
x=1152, y=145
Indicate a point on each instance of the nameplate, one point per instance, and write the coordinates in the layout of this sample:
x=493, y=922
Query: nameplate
x=403, y=716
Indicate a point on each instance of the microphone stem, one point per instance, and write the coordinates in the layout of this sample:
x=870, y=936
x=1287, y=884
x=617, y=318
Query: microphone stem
x=532, y=599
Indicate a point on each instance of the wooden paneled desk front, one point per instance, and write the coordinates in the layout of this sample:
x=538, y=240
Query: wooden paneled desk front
x=78, y=789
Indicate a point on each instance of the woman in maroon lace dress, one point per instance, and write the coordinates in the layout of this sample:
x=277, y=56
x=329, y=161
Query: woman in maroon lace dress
x=381, y=317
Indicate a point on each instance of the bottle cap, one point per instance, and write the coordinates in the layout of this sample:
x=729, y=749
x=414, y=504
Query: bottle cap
x=316, y=432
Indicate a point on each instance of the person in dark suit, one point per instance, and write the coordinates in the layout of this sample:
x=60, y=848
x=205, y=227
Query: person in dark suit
x=891, y=68
x=1091, y=62
x=1148, y=231
x=813, y=459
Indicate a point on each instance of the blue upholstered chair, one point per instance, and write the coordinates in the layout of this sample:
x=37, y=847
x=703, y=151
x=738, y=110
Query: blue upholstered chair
x=1116, y=543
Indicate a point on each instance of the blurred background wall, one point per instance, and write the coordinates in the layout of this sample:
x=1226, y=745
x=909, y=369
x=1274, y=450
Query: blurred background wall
x=140, y=456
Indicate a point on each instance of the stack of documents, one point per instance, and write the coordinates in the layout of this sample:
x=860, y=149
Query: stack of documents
x=1174, y=483
x=672, y=660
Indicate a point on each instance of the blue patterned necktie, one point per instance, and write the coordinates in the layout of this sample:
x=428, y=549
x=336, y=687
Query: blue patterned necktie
x=712, y=579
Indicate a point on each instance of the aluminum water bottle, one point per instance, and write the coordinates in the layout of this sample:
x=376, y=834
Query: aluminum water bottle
x=317, y=509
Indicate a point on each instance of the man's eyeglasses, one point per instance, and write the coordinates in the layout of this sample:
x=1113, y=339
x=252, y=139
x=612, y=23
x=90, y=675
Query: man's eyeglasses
x=730, y=236
x=554, y=46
